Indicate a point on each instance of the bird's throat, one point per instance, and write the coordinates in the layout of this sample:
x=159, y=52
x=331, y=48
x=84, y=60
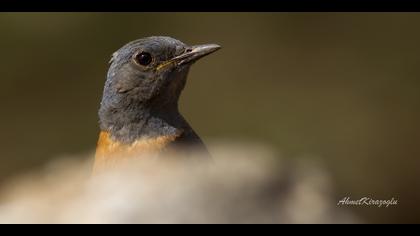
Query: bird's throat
x=136, y=134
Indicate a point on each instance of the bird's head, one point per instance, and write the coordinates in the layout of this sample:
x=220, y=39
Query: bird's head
x=147, y=74
x=151, y=68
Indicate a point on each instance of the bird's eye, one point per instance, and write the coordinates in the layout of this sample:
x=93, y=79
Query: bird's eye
x=144, y=58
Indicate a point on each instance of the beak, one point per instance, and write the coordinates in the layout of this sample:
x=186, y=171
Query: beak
x=194, y=53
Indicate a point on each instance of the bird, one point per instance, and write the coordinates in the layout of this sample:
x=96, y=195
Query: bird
x=138, y=114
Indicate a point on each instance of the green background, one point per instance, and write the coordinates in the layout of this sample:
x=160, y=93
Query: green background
x=341, y=88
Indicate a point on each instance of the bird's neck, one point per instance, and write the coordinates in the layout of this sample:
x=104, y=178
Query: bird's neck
x=145, y=121
x=136, y=132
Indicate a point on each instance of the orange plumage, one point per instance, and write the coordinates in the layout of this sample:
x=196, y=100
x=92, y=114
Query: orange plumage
x=109, y=153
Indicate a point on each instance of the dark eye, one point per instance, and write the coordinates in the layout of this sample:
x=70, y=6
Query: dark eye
x=144, y=58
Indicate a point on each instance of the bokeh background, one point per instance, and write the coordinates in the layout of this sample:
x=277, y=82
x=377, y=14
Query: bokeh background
x=343, y=89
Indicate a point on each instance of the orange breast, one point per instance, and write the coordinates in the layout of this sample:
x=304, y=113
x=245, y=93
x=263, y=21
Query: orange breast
x=109, y=153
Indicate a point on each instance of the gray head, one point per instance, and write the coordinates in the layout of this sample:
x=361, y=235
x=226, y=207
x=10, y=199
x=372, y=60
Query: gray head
x=144, y=82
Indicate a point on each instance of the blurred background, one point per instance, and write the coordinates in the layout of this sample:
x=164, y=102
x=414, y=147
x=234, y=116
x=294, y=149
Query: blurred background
x=342, y=89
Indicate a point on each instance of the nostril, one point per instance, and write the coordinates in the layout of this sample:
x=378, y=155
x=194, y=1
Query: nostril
x=188, y=50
